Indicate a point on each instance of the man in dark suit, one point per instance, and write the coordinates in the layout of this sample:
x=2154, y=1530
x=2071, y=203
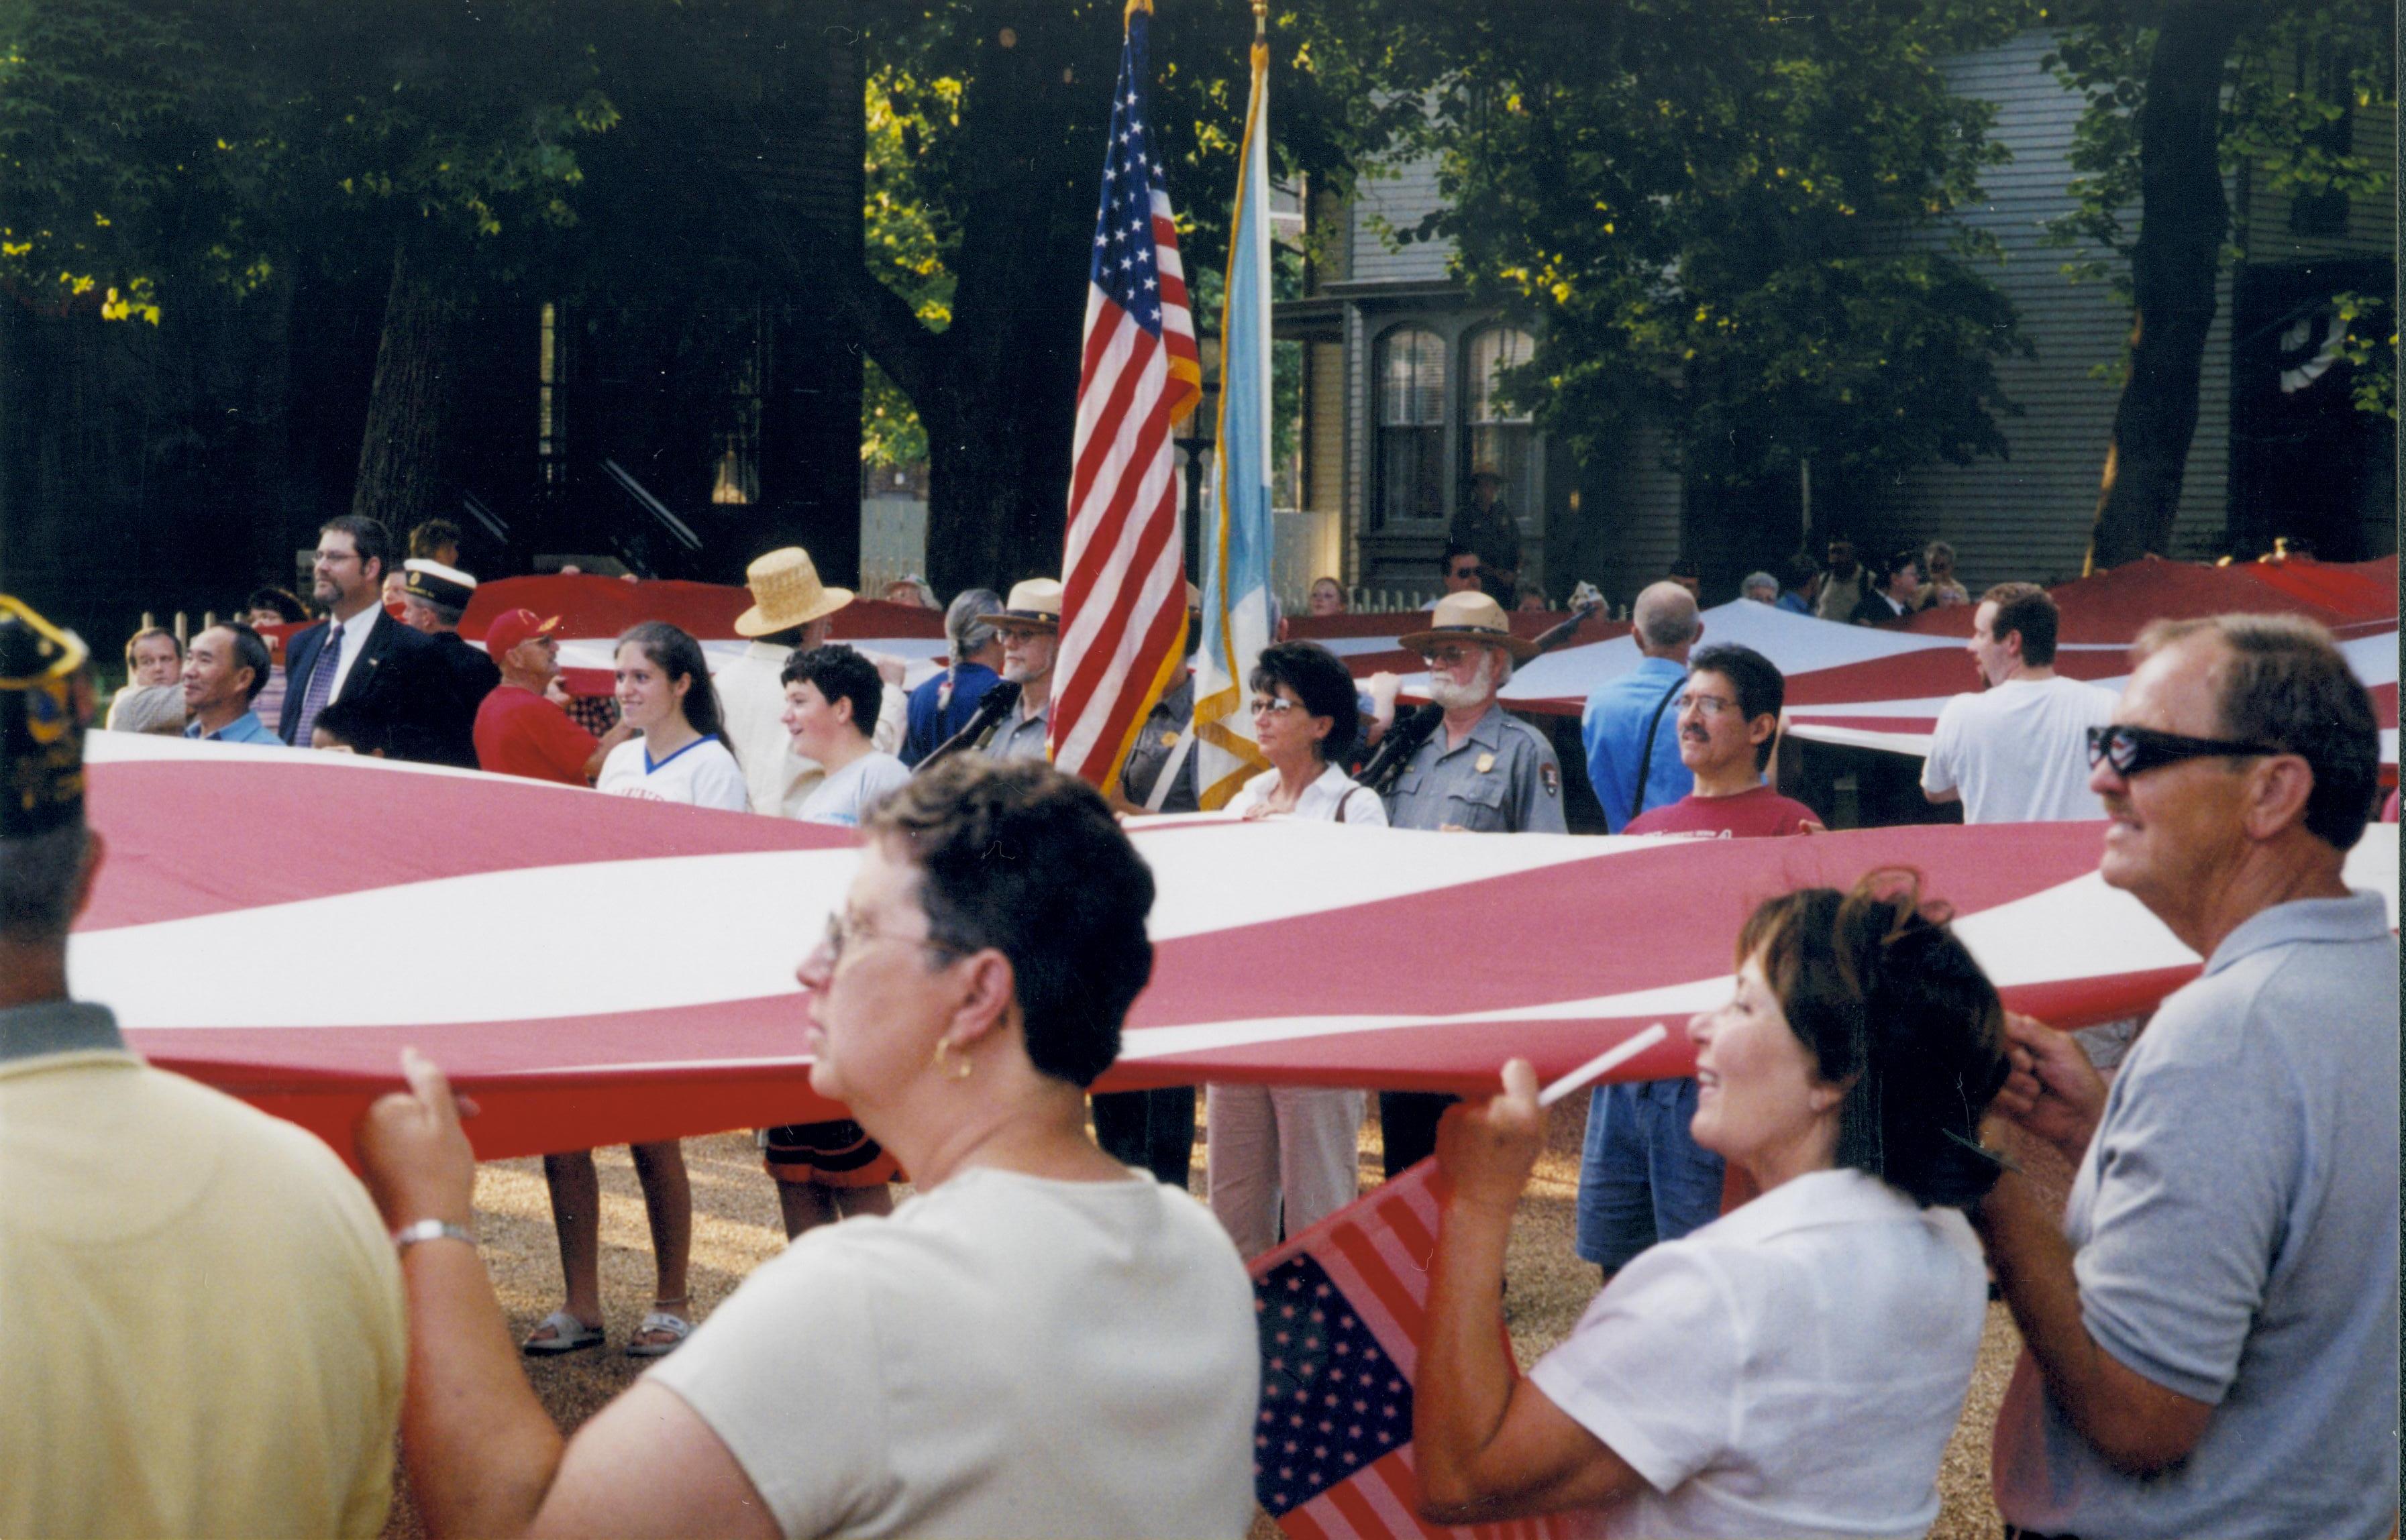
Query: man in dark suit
x=433, y=597
x=359, y=652
x=1897, y=594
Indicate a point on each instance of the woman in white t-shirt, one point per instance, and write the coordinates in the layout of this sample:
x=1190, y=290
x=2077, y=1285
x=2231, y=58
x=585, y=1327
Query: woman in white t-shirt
x=1796, y=1367
x=665, y=694
x=1284, y=1157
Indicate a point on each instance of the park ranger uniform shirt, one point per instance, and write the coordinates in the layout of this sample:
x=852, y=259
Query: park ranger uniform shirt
x=1501, y=779
x=1021, y=735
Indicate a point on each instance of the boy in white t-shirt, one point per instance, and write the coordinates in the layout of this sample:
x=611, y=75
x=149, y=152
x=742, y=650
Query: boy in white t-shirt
x=2019, y=752
x=831, y=699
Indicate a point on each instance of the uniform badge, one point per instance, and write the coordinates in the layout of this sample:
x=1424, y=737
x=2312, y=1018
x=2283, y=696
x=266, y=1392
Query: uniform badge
x=1169, y=740
x=1486, y=763
x=1552, y=778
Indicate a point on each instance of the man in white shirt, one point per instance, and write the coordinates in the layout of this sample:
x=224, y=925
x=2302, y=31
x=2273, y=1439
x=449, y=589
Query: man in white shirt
x=2018, y=752
x=792, y=612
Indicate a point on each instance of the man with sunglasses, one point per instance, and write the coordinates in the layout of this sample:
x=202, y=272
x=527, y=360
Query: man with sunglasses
x=2211, y=1325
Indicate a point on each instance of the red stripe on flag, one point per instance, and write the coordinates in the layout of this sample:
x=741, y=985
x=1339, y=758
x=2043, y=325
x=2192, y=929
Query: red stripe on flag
x=1095, y=450
x=1301, y=1523
x=1392, y=1478
x=1403, y=1216
x=1402, y=1304
x=1360, y=1517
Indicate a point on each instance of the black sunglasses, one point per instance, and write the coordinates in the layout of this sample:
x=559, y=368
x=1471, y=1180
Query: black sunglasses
x=2135, y=751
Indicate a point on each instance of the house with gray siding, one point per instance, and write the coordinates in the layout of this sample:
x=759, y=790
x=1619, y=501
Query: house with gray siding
x=1397, y=411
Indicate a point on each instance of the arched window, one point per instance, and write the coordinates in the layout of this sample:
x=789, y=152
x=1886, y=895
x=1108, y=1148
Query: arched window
x=1411, y=426
x=1499, y=437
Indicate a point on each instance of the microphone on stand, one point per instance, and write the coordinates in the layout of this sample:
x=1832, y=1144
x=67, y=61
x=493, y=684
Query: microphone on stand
x=991, y=708
x=1406, y=736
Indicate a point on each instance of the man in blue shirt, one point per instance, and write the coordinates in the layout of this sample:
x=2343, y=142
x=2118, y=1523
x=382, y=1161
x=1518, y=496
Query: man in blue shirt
x=1803, y=584
x=224, y=671
x=1629, y=727
x=941, y=706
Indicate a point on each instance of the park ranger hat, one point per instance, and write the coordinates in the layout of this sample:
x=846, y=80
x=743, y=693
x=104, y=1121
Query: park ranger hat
x=45, y=700
x=1470, y=617
x=1034, y=604
x=437, y=584
x=786, y=593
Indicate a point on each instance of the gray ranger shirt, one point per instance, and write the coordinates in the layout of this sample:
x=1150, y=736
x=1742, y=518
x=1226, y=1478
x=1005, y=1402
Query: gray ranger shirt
x=1502, y=779
x=1021, y=735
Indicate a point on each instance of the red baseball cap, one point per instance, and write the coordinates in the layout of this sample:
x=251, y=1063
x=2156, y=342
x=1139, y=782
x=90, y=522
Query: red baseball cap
x=513, y=627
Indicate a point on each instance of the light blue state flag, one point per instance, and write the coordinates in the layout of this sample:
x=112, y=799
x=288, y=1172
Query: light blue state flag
x=1237, y=542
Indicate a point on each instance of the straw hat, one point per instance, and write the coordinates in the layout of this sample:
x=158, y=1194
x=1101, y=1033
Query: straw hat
x=1034, y=604
x=786, y=593
x=1470, y=617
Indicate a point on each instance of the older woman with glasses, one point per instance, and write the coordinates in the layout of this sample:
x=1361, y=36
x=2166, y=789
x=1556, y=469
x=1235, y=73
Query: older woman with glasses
x=1797, y=1366
x=1277, y=1155
x=1039, y=1342
x=1942, y=589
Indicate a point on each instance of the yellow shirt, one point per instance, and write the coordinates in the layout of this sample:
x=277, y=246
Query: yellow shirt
x=201, y=1319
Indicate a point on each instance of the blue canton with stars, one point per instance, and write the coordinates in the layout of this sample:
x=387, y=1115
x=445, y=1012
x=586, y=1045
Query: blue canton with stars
x=1123, y=265
x=1332, y=1401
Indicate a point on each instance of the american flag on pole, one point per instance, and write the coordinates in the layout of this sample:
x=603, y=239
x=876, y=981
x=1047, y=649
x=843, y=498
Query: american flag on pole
x=1341, y=1311
x=1124, y=600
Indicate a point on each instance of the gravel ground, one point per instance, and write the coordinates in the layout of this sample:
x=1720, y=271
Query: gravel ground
x=736, y=1228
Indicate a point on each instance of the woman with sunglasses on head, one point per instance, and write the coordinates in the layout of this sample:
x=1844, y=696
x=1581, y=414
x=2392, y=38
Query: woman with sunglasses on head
x=1282, y=1158
x=1797, y=1366
x=665, y=694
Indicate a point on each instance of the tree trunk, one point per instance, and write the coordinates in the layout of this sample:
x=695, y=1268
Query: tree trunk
x=2182, y=221
x=404, y=460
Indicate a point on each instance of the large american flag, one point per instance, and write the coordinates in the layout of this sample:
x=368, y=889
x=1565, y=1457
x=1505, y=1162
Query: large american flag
x=1123, y=605
x=1342, y=1310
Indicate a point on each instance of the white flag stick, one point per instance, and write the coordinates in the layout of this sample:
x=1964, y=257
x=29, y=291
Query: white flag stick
x=1611, y=1058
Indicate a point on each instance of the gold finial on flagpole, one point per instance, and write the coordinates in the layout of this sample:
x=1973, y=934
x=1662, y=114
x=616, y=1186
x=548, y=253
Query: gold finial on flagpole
x=1261, y=20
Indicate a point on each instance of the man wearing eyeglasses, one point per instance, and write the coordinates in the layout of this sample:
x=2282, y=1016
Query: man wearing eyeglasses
x=2013, y=753
x=2211, y=1325
x=1728, y=718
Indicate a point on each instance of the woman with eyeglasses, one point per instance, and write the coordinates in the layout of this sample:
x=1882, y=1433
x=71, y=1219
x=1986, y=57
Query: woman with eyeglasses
x=1797, y=1366
x=665, y=694
x=1281, y=1158
x=1941, y=589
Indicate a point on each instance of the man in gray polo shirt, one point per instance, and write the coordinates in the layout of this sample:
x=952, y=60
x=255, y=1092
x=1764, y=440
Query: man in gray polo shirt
x=2212, y=1332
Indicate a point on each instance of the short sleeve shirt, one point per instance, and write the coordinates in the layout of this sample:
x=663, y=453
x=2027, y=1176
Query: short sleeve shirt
x=2019, y=752
x=851, y=793
x=702, y=774
x=1749, y=815
x=520, y=733
x=1501, y=779
x=1793, y=1369
x=1335, y=798
x=2235, y=1232
x=1613, y=728
x=1004, y=1355
x=1021, y=735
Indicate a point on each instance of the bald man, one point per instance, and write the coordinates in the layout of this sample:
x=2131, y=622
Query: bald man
x=1632, y=738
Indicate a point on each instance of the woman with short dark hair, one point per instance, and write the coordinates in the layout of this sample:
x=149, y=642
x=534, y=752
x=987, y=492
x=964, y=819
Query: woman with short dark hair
x=1281, y=1157
x=1797, y=1366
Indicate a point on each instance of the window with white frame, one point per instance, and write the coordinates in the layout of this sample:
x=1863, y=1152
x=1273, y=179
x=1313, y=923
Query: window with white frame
x=1500, y=435
x=1411, y=426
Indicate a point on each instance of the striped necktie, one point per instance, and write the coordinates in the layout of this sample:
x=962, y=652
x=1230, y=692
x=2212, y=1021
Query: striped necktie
x=322, y=684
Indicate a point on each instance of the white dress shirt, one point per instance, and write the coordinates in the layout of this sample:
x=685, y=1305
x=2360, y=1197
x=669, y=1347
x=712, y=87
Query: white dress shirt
x=354, y=642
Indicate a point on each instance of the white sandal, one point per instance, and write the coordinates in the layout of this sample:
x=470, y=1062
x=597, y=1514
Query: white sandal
x=676, y=1327
x=568, y=1336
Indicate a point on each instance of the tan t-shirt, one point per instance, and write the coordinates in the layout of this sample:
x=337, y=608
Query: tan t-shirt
x=200, y=1319
x=1005, y=1356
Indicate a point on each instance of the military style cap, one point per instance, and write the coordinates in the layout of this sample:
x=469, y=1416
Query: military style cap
x=44, y=704
x=437, y=584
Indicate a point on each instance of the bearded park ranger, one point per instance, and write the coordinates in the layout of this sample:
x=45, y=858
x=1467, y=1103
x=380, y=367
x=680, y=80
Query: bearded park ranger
x=2210, y=1324
x=200, y=1319
x=1480, y=770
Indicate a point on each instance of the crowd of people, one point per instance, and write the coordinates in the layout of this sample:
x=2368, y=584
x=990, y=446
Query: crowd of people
x=1796, y=1242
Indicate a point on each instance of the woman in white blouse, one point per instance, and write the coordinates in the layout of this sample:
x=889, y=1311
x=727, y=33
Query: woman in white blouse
x=1289, y=1153
x=1796, y=1367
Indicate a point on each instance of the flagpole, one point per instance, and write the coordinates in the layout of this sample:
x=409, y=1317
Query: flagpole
x=1611, y=1058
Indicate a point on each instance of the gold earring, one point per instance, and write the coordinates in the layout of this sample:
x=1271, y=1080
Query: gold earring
x=959, y=1071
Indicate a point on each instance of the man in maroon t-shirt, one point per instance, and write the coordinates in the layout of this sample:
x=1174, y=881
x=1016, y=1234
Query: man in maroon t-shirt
x=519, y=731
x=1729, y=721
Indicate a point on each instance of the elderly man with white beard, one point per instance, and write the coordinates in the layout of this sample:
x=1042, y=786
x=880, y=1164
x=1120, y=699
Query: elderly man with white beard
x=1481, y=770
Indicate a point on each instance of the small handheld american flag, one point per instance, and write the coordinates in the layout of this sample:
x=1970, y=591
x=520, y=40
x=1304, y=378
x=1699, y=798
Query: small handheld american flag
x=1342, y=1310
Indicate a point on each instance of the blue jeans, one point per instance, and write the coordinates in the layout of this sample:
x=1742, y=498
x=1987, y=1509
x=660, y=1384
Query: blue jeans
x=1642, y=1178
